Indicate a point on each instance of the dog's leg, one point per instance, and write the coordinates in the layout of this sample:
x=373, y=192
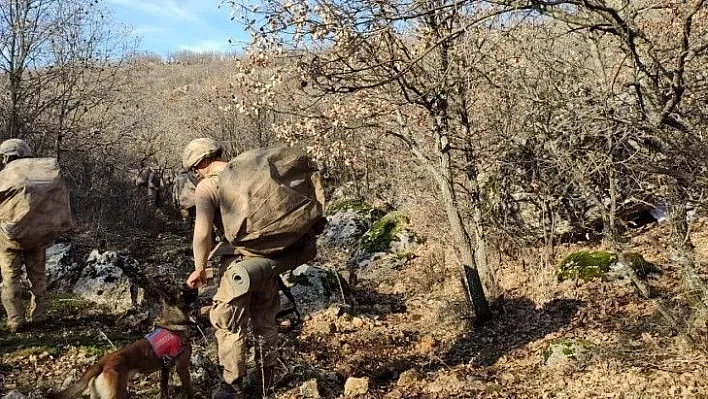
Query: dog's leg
x=164, y=381
x=182, y=365
x=110, y=385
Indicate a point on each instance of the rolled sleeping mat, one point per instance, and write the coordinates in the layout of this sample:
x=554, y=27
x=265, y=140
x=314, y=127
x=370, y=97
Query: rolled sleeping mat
x=249, y=275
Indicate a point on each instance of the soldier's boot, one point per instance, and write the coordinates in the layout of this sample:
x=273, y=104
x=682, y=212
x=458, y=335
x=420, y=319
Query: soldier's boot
x=229, y=391
x=38, y=309
x=15, y=309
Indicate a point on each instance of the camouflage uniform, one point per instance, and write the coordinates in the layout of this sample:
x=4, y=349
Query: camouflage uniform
x=230, y=313
x=151, y=180
x=12, y=259
x=183, y=196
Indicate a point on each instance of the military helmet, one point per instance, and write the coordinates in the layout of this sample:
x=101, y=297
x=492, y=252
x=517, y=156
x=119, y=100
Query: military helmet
x=15, y=148
x=199, y=149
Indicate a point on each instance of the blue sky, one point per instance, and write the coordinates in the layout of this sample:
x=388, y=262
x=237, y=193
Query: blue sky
x=165, y=26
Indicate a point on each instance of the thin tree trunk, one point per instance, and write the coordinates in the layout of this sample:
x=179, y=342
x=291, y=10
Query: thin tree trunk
x=682, y=252
x=442, y=174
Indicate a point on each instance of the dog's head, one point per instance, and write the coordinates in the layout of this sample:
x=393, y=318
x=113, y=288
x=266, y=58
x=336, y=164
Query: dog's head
x=175, y=307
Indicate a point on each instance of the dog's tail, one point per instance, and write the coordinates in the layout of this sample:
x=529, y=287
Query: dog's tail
x=75, y=390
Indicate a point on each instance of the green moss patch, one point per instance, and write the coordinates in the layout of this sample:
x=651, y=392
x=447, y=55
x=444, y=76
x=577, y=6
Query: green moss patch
x=64, y=304
x=640, y=265
x=379, y=236
x=585, y=265
x=572, y=349
x=72, y=322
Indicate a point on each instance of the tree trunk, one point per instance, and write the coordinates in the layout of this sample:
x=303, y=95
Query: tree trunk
x=480, y=244
x=472, y=283
x=481, y=257
x=474, y=293
x=682, y=253
x=441, y=172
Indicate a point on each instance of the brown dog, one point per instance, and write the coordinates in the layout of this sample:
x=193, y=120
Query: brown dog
x=166, y=346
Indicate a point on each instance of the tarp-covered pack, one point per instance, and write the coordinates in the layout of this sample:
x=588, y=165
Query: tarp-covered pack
x=270, y=199
x=183, y=191
x=34, y=202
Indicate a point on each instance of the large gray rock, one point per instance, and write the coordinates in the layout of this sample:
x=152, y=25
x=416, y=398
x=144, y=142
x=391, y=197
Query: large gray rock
x=344, y=229
x=61, y=271
x=104, y=282
x=405, y=241
x=347, y=221
x=314, y=288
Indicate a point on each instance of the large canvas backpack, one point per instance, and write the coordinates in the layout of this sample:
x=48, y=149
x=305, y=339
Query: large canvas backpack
x=270, y=198
x=183, y=191
x=34, y=203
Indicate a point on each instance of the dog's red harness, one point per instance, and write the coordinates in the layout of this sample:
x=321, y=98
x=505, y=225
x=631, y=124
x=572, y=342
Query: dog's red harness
x=166, y=344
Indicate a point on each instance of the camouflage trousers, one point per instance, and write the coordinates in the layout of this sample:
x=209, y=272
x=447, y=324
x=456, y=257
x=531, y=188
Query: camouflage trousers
x=11, y=262
x=230, y=320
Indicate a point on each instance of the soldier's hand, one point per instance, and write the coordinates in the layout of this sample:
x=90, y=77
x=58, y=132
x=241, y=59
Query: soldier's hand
x=196, y=279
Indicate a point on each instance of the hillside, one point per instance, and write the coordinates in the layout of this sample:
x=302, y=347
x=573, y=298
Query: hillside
x=402, y=325
x=557, y=149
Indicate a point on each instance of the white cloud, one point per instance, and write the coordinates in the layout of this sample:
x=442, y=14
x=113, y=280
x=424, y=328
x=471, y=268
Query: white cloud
x=182, y=11
x=207, y=46
x=142, y=30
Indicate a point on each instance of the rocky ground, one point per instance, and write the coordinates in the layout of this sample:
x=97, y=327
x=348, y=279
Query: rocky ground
x=391, y=324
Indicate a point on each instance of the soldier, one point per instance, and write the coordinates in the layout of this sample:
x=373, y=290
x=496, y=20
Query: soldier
x=229, y=315
x=12, y=258
x=149, y=179
x=183, y=196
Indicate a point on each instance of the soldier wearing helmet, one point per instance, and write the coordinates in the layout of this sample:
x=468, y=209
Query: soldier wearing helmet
x=183, y=196
x=13, y=149
x=12, y=260
x=228, y=316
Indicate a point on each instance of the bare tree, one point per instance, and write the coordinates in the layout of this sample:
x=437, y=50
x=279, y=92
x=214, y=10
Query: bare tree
x=25, y=30
x=639, y=124
x=395, y=67
x=63, y=66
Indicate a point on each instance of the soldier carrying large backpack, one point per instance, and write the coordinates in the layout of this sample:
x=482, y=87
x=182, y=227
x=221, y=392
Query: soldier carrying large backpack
x=34, y=211
x=270, y=204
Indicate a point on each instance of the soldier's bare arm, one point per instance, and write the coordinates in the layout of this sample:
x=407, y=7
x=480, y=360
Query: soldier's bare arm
x=202, y=239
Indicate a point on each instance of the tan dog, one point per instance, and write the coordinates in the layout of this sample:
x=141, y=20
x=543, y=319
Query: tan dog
x=108, y=378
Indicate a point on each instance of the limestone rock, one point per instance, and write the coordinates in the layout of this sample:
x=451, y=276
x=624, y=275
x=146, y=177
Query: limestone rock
x=104, y=282
x=346, y=224
x=314, y=288
x=61, y=271
x=356, y=386
x=309, y=390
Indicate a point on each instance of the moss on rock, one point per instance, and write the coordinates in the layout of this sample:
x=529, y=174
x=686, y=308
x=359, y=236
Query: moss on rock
x=561, y=350
x=379, y=236
x=355, y=205
x=585, y=265
x=640, y=265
